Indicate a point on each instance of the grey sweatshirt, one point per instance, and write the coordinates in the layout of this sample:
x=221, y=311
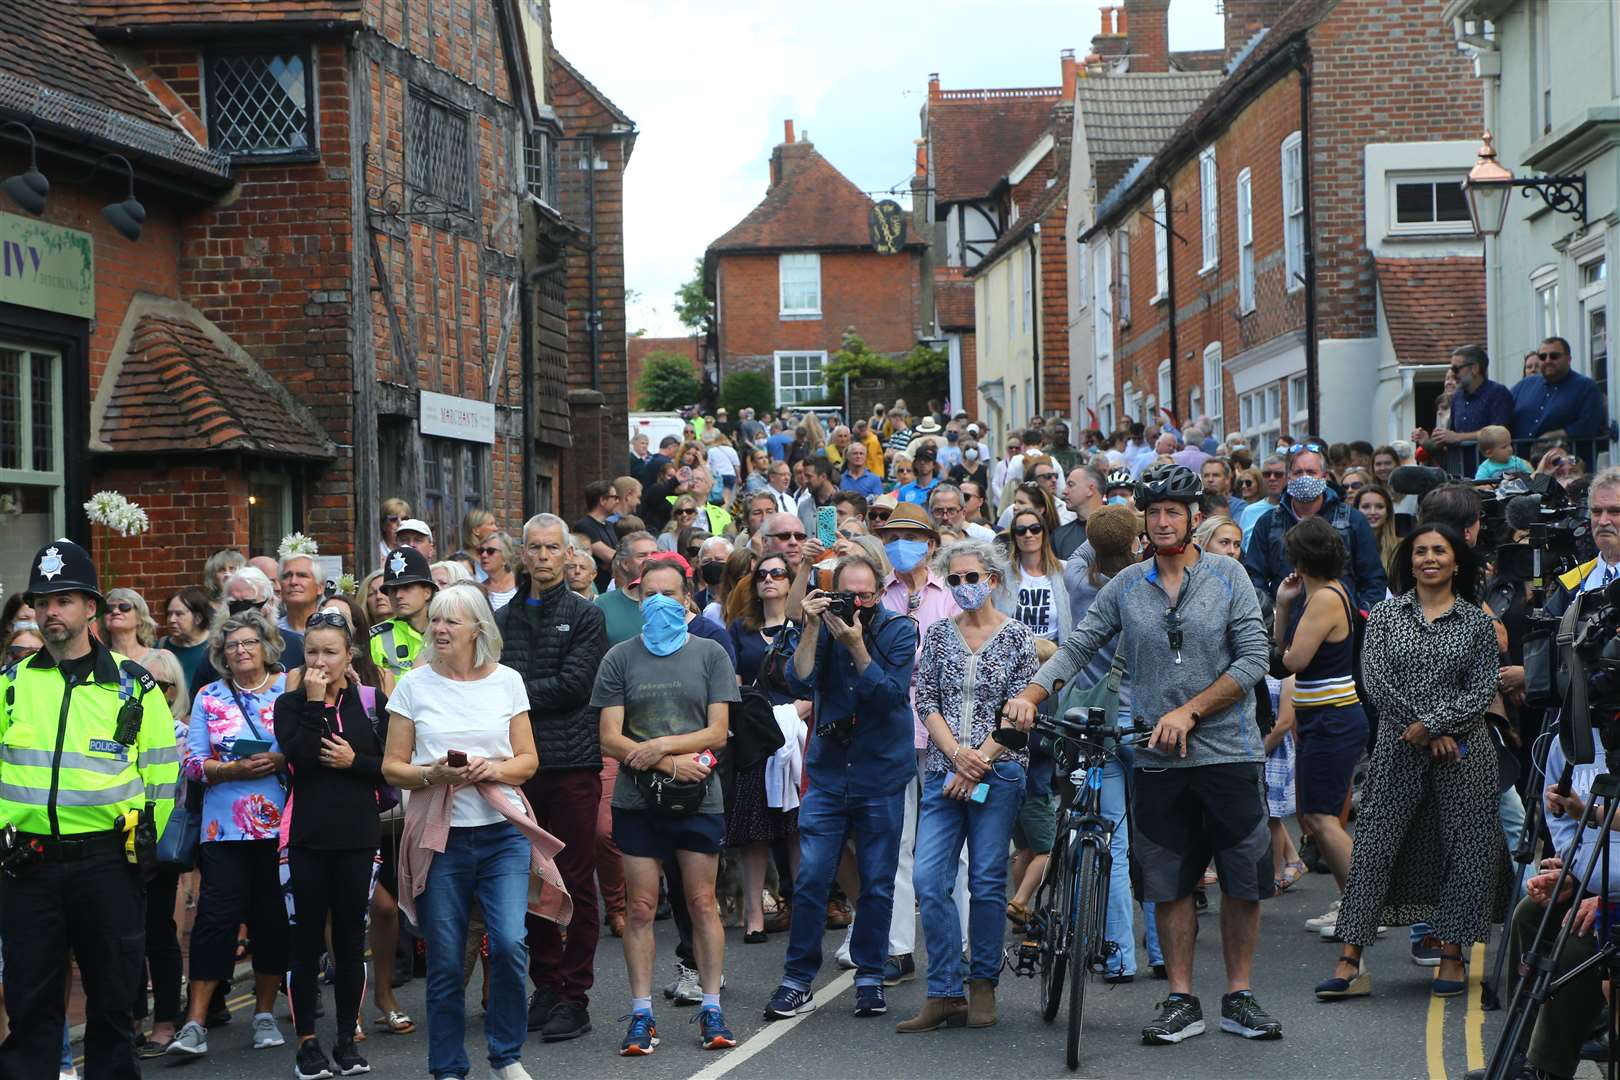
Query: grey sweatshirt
x=1221, y=635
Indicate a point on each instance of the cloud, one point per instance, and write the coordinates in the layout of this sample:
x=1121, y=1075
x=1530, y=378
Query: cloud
x=709, y=82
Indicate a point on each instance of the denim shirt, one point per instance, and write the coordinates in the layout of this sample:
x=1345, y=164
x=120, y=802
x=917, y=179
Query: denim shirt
x=880, y=759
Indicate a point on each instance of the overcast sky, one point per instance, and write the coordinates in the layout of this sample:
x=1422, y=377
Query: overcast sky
x=709, y=82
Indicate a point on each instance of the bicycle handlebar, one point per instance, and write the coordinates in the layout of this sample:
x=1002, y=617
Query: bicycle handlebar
x=1088, y=725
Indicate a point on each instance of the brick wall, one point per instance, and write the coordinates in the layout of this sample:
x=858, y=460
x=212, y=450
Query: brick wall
x=1054, y=307
x=194, y=510
x=878, y=295
x=642, y=347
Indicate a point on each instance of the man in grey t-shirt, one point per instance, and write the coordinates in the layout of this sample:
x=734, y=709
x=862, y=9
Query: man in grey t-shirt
x=666, y=700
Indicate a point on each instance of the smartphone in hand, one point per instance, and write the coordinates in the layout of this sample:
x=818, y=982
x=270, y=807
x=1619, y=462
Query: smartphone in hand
x=827, y=526
x=456, y=759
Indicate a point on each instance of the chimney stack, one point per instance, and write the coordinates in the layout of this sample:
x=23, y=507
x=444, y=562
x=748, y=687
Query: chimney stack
x=1149, y=23
x=788, y=153
x=1109, y=43
x=933, y=84
x=787, y=131
x=1070, y=73
x=1246, y=18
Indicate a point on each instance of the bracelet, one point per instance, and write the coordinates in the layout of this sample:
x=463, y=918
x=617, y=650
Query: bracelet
x=427, y=780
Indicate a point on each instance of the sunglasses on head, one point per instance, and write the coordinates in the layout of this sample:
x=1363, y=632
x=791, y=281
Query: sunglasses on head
x=1028, y=530
x=123, y=607
x=1313, y=446
x=770, y=572
x=972, y=577
x=327, y=618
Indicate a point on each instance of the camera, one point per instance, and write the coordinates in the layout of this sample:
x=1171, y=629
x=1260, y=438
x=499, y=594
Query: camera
x=1587, y=646
x=842, y=605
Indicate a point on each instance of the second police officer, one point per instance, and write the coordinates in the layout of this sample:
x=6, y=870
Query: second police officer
x=408, y=584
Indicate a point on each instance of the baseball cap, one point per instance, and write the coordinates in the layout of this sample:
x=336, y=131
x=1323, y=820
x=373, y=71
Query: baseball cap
x=416, y=525
x=973, y=429
x=664, y=557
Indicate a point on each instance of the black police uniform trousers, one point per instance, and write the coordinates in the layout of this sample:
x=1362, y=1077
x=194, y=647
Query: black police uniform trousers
x=94, y=908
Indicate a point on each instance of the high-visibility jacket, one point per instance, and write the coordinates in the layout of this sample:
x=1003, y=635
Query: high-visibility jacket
x=63, y=768
x=394, y=645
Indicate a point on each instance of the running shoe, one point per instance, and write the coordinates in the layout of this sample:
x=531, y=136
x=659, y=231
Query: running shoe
x=1327, y=918
x=266, y=1032
x=716, y=1036
x=870, y=1001
x=346, y=1060
x=685, y=990
x=642, y=1037
x=311, y=1063
x=1426, y=951
x=1242, y=1015
x=1180, y=1018
x=787, y=1003
x=190, y=1041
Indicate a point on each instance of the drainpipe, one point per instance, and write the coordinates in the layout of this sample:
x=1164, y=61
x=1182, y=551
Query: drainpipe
x=1170, y=310
x=1034, y=320
x=528, y=342
x=1302, y=64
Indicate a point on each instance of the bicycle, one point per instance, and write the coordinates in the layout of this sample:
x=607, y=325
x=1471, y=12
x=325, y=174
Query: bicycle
x=1065, y=936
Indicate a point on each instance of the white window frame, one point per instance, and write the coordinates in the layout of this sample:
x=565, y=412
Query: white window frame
x=1161, y=249
x=1214, y=390
x=1164, y=383
x=776, y=374
x=1124, y=304
x=1129, y=404
x=1393, y=183
x=1029, y=288
x=1082, y=279
x=1195, y=403
x=1209, y=197
x=1293, y=210
x=1299, y=407
x=1260, y=412
x=15, y=556
x=1105, y=413
x=799, y=260
x=1245, y=240
x=1544, y=313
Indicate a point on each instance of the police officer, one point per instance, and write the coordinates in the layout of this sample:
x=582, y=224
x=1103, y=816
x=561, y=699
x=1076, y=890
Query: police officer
x=88, y=772
x=408, y=584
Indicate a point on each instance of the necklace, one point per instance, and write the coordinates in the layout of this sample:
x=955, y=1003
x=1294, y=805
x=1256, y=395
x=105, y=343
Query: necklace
x=254, y=689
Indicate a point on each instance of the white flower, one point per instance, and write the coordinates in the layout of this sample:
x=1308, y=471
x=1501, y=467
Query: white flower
x=347, y=585
x=103, y=505
x=296, y=544
x=128, y=520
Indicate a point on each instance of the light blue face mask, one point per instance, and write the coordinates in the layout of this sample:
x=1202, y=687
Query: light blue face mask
x=906, y=554
x=1119, y=500
x=663, y=624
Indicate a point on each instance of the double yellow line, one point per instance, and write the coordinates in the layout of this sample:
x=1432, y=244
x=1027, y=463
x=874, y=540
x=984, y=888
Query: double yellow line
x=1473, y=1022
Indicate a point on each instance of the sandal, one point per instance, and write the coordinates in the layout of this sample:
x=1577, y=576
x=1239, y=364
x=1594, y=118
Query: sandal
x=1292, y=872
x=396, y=1022
x=1017, y=914
x=1358, y=985
x=1444, y=988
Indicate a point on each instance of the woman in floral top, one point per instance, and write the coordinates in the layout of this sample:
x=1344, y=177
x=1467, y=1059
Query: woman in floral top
x=242, y=805
x=970, y=665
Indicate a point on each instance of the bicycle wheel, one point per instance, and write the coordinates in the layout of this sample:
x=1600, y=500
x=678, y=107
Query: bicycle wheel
x=1086, y=884
x=1057, y=915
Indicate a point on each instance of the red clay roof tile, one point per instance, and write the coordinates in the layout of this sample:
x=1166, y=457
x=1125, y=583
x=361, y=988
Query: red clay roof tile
x=976, y=136
x=49, y=42
x=1431, y=306
x=111, y=15
x=814, y=206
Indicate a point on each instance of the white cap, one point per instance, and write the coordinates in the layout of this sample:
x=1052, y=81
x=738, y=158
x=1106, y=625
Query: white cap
x=416, y=525
x=973, y=429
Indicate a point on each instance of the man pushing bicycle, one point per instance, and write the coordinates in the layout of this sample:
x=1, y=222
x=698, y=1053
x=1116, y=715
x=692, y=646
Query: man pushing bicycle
x=1190, y=630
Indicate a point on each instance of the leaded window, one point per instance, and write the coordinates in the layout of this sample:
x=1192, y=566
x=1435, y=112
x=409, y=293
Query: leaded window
x=261, y=103
x=437, y=162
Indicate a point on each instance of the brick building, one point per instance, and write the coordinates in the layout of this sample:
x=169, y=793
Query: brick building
x=350, y=284
x=1263, y=266
x=642, y=347
x=790, y=278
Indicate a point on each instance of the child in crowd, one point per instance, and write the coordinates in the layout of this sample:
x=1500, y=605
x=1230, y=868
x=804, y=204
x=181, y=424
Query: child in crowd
x=1496, y=452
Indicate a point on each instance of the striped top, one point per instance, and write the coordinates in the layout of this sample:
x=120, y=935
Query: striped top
x=1327, y=681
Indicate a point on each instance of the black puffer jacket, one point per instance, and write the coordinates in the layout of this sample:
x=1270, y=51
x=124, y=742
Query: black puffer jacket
x=557, y=646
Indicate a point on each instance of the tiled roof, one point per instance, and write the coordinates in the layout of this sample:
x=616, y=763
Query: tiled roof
x=976, y=136
x=591, y=88
x=1131, y=116
x=953, y=299
x=181, y=386
x=1432, y=306
x=48, y=42
x=814, y=206
x=115, y=15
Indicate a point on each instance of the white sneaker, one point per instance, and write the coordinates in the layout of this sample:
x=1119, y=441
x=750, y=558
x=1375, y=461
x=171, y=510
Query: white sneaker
x=266, y=1032
x=687, y=990
x=514, y=1071
x=842, y=956
x=1327, y=918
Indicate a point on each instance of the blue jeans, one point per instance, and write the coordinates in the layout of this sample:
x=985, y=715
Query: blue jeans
x=490, y=862
x=874, y=822
x=944, y=826
x=1119, y=919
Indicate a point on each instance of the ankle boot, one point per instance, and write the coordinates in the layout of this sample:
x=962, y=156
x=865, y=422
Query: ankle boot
x=981, y=1003
x=937, y=1013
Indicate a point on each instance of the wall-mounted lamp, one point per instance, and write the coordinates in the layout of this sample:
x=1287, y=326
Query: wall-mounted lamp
x=30, y=190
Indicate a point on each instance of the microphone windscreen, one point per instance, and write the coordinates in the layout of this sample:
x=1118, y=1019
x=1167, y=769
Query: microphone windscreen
x=1417, y=479
x=1521, y=511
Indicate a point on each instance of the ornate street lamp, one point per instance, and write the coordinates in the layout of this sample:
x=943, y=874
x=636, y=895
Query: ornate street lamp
x=1489, y=185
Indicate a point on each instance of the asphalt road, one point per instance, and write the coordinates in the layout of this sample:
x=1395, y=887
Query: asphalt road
x=1400, y=1032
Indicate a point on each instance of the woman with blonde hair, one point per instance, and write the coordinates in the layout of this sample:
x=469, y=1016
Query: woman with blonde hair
x=374, y=600
x=1377, y=504
x=815, y=437
x=163, y=959
x=128, y=625
x=392, y=512
x=686, y=512
x=1032, y=591
x=475, y=528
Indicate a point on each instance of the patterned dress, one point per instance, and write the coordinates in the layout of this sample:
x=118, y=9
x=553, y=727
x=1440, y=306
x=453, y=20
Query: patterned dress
x=1428, y=847
x=968, y=689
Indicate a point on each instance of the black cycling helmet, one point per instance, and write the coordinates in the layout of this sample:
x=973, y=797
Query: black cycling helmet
x=1119, y=478
x=1175, y=483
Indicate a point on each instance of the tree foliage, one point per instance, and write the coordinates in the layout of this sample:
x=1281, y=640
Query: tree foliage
x=925, y=373
x=692, y=307
x=856, y=360
x=747, y=390
x=668, y=381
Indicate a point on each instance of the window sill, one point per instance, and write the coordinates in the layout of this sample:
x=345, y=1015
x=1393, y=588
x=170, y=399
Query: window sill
x=800, y=316
x=1205, y=271
x=1395, y=236
x=1158, y=298
x=277, y=158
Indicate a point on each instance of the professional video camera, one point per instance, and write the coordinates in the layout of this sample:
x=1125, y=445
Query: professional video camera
x=1558, y=531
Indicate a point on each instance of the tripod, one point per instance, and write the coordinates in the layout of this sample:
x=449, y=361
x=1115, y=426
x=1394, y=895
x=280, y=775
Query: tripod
x=1523, y=853
x=1542, y=981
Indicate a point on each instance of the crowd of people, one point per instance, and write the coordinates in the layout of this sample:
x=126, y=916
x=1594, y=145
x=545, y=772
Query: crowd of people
x=791, y=649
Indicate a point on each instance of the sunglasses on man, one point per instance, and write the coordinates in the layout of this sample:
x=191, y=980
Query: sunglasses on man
x=1548, y=356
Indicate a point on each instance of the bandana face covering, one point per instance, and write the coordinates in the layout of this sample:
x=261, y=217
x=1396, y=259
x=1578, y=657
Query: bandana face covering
x=971, y=597
x=663, y=627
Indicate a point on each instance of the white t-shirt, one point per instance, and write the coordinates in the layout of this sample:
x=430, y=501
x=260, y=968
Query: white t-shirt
x=474, y=717
x=1035, y=606
x=723, y=461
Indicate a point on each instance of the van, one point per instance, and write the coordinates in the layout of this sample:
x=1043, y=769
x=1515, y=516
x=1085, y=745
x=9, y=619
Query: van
x=655, y=425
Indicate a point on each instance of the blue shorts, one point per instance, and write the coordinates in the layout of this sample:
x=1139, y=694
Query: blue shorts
x=1330, y=743
x=648, y=834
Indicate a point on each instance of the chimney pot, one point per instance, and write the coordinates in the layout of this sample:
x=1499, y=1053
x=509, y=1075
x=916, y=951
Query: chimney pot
x=1069, y=66
x=933, y=84
x=787, y=130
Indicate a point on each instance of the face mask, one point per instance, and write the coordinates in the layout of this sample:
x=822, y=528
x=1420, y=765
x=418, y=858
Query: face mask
x=663, y=624
x=1119, y=500
x=971, y=597
x=905, y=554
x=866, y=614
x=970, y=455
x=1306, y=488
x=712, y=572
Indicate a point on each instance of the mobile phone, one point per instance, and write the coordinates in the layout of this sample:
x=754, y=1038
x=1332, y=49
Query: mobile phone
x=249, y=747
x=827, y=525
x=706, y=759
x=456, y=759
x=981, y=791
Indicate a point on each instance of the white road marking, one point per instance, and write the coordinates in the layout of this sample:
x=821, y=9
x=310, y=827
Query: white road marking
x=774, y=1030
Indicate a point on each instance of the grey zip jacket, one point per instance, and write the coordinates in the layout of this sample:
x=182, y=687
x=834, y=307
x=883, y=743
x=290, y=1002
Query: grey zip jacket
x=1222, y=634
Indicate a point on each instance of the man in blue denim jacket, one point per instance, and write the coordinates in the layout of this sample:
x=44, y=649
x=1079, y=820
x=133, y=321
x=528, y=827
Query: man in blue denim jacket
x=859, y=761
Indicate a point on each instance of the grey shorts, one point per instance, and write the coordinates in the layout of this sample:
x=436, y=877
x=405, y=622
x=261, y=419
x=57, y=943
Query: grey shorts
x=1182, y=818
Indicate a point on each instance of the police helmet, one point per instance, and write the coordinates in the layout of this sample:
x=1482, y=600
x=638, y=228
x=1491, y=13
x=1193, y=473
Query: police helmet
x=62, y=566
x=406, y=566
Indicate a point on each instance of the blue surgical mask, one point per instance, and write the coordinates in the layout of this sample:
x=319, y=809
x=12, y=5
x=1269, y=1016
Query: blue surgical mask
x=906, y=554
x=971, y=597
x=663, y=624
x=1119, y=500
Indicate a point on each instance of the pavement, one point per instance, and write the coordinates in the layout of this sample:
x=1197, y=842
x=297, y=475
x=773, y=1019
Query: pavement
x=1400, y=1033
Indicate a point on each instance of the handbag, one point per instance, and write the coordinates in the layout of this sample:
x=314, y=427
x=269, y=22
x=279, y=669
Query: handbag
x=773, y=668
x=678, y=798
x=177, y=847
x=1103, y=694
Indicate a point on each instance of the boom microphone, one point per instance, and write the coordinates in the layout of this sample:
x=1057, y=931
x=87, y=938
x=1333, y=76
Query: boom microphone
x=1417, y=479
x=1521, y=511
